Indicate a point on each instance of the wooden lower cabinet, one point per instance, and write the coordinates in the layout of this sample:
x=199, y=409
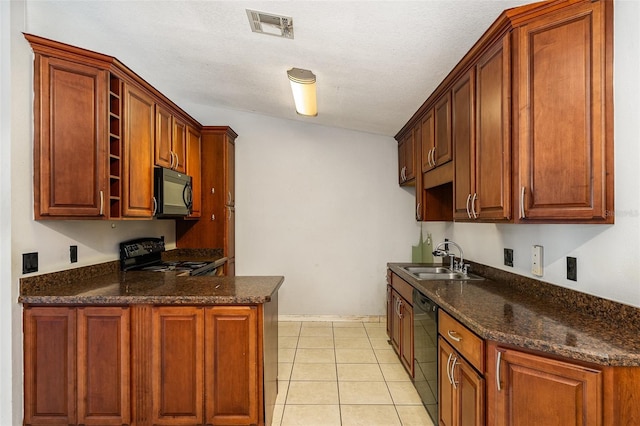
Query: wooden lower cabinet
x=531, y=390
x=76, y=366
x=178, y=366
x=231, y=365
x=400, y=320
x=461, y=396
x=150, y=365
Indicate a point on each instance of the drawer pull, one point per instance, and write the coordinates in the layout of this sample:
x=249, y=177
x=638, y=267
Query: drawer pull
x=454, y=335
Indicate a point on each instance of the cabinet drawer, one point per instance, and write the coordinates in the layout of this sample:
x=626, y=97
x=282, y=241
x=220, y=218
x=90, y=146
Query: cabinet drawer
x=462, y=339
x=403, y=288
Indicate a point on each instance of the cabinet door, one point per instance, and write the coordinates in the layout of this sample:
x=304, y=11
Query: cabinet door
x=464, y=174
x=446, y=391
x=493, y=137
x=163, y=156
x=390, y=311
x=470, y=394
x=406, y=336
x=535, y=390
x=395, y=323
x=179, y=145
x=103, y=366
x=405, y=159
x=49, y=366
x=137, y=177
x=230, y=187
x=427, y=141
x=461, y=389
x=194, y=169
x=231, y=360
x=563, y=105
x=70, y=152
x=177, y=362
x=442, y=112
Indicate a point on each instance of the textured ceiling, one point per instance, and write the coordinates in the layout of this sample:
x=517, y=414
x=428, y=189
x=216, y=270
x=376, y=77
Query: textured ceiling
x=375, y=61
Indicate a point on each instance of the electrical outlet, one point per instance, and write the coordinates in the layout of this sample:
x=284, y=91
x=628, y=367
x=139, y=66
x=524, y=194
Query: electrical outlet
x=73, y=254
x=536, y=261
x=572, y=268
x=29, y=262
x=508, y=257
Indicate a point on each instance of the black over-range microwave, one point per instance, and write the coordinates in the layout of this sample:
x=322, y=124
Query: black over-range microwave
x=172, y=192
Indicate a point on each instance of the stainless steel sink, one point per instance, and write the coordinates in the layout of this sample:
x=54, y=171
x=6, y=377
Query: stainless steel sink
x=438, y=273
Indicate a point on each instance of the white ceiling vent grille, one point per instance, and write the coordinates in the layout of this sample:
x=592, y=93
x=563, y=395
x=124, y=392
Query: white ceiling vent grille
x=268, y=23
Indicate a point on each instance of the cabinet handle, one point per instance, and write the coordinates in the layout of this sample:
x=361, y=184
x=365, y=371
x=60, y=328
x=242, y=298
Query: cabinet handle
x=468, y=211
x=403, y=174
x=229, y=197
x=213, y=190
x=522, y=203
x=449, y=368
x=418, y=215
x=171, y=160
x=155, y=206
x=177, y=160
x=400, y=309
x=433, y=156
x=101, y=203
x=213, y=217
x=451, y=333
x=453, y=377
x=473, y=205
x=498, y=371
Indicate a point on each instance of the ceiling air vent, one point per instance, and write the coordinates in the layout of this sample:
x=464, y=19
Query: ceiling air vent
x=268, y=23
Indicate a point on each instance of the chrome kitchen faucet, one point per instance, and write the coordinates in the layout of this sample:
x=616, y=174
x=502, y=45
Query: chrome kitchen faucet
x=455, y=266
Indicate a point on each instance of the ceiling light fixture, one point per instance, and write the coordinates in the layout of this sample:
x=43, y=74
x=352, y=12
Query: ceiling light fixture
x=303, y=86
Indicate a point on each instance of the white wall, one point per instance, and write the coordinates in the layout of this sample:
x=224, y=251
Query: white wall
x=320, y=206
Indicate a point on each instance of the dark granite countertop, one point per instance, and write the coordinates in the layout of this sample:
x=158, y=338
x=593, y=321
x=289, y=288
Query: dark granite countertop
x=520, y=311
x=105, y=284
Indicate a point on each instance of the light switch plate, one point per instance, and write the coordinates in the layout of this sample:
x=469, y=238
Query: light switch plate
x=536, y=260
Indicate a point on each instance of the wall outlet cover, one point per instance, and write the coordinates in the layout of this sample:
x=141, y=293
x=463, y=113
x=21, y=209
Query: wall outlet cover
x=536, y=261
x=29, y=262
x=73, y=254
x=508, y=257
x=572, y=268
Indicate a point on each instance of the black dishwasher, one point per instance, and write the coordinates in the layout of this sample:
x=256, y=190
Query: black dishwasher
x=425, y=362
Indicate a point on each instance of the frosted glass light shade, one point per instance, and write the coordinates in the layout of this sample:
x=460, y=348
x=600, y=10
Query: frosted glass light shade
x=303, y=86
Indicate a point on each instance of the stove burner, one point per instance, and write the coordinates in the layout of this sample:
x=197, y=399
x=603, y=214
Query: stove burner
x=145, y=254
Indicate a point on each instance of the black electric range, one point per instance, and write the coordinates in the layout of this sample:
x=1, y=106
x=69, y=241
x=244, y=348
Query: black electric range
x=145, y=254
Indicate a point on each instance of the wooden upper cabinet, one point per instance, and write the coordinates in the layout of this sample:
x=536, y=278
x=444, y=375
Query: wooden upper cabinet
x=163, y=154
x=564, y=90
x=179, y=145
x=98, y=131
x=482, y=138
x=463, y=138
x=548, y=390
x=70, y=139
x=443, y=151
x=406, y=151
x=137, y=182
x=194, y=169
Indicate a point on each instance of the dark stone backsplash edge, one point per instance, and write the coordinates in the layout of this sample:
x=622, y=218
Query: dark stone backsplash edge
x=572, y=299
x=48, y=280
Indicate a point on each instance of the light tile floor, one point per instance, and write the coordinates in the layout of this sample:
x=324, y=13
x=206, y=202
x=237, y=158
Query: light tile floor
x=342, y=374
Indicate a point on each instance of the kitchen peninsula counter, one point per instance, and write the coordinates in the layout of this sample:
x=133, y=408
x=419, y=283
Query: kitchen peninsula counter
x=528, y=313
x=104, y=346
x=105, y=285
